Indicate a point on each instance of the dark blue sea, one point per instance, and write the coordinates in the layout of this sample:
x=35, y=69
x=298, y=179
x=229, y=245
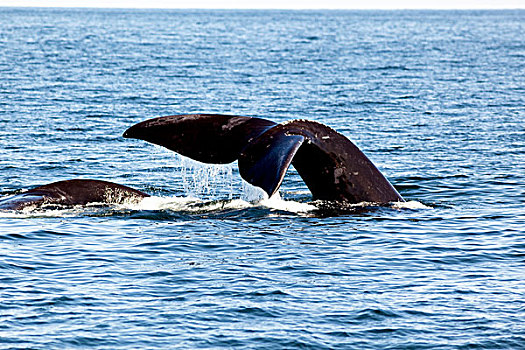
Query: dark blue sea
x=436, y=99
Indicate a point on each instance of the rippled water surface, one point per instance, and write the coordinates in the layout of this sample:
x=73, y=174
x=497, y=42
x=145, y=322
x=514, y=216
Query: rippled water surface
x=435, y=99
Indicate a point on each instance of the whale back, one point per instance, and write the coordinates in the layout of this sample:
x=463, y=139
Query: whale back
x=73, y=192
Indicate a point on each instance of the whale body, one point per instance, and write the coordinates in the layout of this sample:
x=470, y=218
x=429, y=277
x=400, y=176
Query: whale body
x=70, y=193
x=331, y=166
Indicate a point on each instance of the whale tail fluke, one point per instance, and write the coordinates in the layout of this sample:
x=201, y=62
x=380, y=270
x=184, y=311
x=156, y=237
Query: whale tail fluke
x=331, y=166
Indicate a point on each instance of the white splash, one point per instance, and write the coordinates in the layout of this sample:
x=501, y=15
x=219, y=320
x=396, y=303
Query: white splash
x=275, y=202
x=35, y=212
x=258, y=197
x=410, y=205
x=253, y=194
x=192, y=204
x=206, y=180
x=186, y=204
x=161, y=203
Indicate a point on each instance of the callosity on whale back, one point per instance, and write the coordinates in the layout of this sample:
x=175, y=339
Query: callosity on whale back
x=331, y=166
x=73, y=192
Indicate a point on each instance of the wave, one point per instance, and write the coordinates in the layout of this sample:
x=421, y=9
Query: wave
x=252, y=199
x=191, y=205
x=174, y=207
x=205, y=187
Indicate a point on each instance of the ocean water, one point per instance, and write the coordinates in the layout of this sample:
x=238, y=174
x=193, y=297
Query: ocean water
x=435, y=99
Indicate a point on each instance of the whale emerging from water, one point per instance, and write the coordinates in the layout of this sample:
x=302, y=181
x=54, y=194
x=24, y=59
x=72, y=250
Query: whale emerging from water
x=69, y=193
x=331, y=166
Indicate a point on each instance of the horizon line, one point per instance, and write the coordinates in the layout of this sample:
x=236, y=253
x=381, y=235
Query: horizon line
x=268, y=8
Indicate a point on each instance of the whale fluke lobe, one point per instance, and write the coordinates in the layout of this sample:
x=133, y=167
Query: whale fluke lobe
x=73, y=192
x=263, y=163
x=207, y=138
x=331, y=166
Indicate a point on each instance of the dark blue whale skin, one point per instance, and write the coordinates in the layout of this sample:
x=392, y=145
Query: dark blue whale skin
x=331, y=166
x=70, y=193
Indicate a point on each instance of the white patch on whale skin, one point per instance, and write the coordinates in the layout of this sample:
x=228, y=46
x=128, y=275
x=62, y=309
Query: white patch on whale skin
x=338, y=172
x=233, y=122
